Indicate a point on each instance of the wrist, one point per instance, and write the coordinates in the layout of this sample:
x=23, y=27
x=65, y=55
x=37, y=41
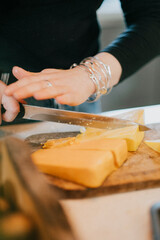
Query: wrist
x=114, y=65
x=83, y=74
x=99, y=74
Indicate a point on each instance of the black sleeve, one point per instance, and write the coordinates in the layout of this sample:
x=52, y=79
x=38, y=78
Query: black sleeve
x=140, y=42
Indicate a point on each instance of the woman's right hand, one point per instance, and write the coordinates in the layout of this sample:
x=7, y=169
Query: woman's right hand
x=10, y=104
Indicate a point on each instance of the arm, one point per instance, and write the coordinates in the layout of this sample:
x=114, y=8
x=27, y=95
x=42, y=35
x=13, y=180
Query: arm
x=140, y=42
x=130, y=51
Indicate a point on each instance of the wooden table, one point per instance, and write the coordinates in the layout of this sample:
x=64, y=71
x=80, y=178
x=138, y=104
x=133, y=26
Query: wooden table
x=118, y=216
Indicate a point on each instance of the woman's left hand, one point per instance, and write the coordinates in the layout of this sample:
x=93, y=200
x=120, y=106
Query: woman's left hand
x=71, y=87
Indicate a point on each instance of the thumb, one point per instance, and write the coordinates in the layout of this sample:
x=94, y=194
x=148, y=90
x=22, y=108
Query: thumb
x=20, y=72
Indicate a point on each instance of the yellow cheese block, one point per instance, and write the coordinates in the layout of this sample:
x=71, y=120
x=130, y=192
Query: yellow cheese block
x=117, y=146
x=132, y=135
x=87, y=163
x=154, y=144
x=89, y=168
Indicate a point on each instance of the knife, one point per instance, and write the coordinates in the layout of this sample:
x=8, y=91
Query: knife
x=71, y=117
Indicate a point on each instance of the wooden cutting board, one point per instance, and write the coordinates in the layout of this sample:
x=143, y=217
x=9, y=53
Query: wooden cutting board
x=140, y=171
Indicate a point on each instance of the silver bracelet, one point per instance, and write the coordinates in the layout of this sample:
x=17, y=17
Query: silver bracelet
x=104, y=70
x=93, y=77
x=108, y=73
x=103, y=84
x=96, y=69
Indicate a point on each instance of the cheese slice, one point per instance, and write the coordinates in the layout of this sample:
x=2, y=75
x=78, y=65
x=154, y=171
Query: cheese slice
x=60, y=142
x=154, y=144
x=89, y=168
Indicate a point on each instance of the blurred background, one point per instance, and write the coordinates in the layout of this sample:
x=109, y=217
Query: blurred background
x=142, y=88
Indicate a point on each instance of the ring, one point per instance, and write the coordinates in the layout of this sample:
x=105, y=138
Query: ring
x=49, y=84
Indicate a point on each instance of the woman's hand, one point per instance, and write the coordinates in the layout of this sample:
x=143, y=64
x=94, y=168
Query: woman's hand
x=10, y=104
x=71, y=87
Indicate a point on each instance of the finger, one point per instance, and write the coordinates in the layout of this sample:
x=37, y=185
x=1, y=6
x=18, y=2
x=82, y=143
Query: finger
x=9, y=116
x=31, y=89
x=50, y=70
x=67, y=99
x=12, y=108
x=20, y=72
x=50, y=92
x=12, y=88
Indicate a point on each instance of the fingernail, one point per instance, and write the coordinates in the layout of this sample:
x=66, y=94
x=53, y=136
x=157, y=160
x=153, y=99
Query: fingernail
x=15, y=69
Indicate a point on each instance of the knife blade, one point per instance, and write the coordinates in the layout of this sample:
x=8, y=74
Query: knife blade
x=73, y=118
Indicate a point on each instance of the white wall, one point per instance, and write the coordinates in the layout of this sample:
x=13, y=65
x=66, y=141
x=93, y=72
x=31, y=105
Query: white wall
x=142, y=88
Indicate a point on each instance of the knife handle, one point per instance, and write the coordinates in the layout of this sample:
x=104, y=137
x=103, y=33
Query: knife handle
x=20, y=114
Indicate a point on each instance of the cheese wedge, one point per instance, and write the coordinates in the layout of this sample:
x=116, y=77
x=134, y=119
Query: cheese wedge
x=89, y=168
x=132, y=135
x=154, y=144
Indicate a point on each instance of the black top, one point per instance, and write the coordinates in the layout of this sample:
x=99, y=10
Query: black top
x=38, y=34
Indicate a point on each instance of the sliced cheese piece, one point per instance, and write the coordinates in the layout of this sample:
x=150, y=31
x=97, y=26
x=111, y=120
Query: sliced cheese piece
x=89, y=168
x=132, y=135
x=117, y=146
x=154, y=144
x=60, y=142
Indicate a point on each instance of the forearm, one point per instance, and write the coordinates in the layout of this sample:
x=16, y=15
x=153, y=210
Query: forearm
x=140, y=42
x=115, y=67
